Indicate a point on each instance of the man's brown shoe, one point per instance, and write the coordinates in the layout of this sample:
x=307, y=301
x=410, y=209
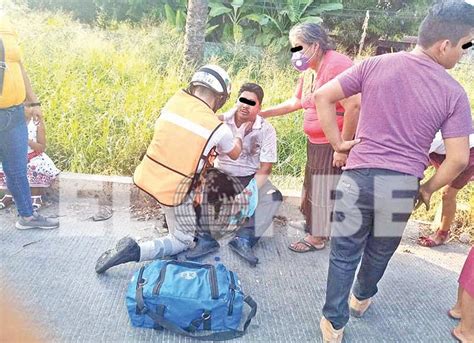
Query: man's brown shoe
x=330, y=335
x=358, y=307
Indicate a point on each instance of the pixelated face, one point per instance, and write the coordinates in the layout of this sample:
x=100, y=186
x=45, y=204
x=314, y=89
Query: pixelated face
x=248, y=106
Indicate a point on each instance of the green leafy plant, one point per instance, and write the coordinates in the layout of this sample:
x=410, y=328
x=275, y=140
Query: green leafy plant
x=283, y=15
x=237, y=18
x=176, y=15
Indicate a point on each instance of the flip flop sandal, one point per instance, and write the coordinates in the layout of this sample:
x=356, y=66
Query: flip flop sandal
x=310, y=246
x=428, y=242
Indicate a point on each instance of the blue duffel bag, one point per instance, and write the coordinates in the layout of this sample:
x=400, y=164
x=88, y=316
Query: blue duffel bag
x=188, y=297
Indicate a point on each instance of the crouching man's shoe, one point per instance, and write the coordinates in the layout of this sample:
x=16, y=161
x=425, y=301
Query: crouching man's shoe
x=242, y=247
x=330, y=335
x=126, y=250
x=358, y=307
x=204, y=245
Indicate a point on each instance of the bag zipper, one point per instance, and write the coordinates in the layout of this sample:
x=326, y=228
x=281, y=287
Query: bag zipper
x=213, y=282
x=232, y=294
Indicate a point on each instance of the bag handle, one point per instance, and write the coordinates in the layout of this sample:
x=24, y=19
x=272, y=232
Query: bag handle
x=161, y=322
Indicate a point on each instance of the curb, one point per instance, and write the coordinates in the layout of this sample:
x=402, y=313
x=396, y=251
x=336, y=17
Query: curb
x=76, y=185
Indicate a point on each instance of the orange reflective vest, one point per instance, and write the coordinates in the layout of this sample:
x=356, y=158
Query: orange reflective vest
x=169, y=169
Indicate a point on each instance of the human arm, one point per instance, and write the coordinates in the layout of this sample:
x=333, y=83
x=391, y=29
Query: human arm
x=40, y=144
x=288, y=106
x=228, y=114
x=31, y=97
x=351, y=117
x=239, y=135
x=457, y=158
x=262, y=174
x=455, y=131
x=326, y=99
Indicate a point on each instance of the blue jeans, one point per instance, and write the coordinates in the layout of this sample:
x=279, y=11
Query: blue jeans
x=370, y=215
x=14, y=156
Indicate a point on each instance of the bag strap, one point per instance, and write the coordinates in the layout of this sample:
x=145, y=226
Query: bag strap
x=159, y=319
x=3, y=65
x=217, y=336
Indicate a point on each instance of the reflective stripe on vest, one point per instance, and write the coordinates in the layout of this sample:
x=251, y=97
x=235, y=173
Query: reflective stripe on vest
x=185, y=124
x=170, y=167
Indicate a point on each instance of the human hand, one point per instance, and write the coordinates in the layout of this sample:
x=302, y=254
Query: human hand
x=243, y=130
x=226, y=116
x=339, y=159
x=424, y=197
x=36, y=114
x=346, y=146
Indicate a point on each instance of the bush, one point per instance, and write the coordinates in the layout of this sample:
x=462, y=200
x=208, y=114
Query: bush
x=102, y=91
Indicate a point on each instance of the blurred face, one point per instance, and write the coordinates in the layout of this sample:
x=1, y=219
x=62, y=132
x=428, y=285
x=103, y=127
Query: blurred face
x=449, y=55
x=246, y=111
x=309, y=50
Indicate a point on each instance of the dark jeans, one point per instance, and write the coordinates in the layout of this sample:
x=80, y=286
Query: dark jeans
x=13, y=155
x=269, y=200
x=370, y=215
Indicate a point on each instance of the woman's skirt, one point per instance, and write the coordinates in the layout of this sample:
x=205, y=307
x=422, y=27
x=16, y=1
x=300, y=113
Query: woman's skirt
x=319, y=189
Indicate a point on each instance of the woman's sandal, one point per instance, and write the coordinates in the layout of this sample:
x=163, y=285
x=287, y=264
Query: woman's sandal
x=2, y=201
x=37, y=202
x=310, y=247
x=429, y=242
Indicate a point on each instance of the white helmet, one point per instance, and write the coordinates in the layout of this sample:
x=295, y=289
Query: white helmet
x=213, y=77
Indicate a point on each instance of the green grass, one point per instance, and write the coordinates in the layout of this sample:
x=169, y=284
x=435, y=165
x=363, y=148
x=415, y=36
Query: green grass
x=102, y=91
